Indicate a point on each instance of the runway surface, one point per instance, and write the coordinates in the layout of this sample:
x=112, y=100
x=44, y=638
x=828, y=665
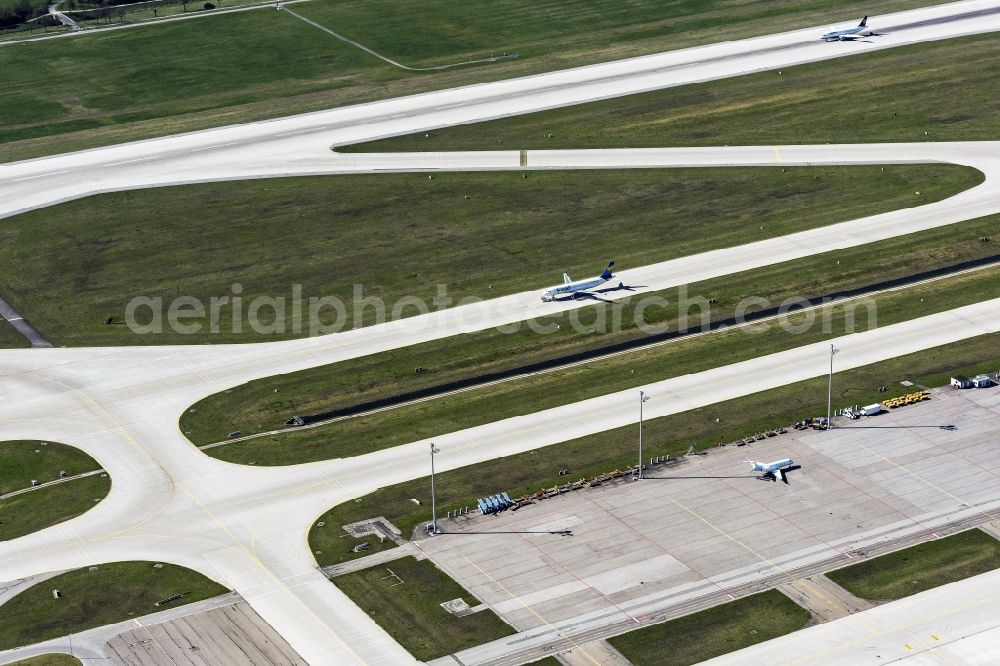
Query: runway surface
x=246, y=526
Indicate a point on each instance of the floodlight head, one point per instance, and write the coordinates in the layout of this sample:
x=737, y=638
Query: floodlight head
x=643, y=396
x=434, y=449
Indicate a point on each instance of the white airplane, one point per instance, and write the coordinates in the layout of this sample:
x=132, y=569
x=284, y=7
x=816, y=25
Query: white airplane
x=850, y=33
x=773, y=471
x=575, y=288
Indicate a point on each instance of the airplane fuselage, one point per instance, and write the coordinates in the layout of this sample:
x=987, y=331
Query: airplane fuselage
x=842, y=35
x=771, y=468
x=572, y=288
x=569, y=287
x=861, y=30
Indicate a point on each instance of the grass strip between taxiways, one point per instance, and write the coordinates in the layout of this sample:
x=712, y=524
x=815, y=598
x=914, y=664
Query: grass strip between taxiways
x=53, y=659
x=96, y=596
x=10, y=338
x=22, y=462
x=921, y=567
x=709, y=633
x=404, y=597
x=396, y=236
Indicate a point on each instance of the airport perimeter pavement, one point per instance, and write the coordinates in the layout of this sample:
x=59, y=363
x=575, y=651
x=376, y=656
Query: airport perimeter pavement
x=299, y=145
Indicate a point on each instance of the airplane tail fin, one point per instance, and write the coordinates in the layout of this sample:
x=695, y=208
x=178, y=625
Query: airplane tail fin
x=566, y=278
x=752, y=463
x=863, y=23
x=607, y=274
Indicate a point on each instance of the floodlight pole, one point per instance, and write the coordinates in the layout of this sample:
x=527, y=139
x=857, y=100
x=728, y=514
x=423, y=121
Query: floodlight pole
x=642, y=398
x=829, y=391
x=434, y=522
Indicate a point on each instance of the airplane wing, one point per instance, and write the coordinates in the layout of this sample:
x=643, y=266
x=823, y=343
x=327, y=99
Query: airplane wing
x=781, y=475
x=566, y=278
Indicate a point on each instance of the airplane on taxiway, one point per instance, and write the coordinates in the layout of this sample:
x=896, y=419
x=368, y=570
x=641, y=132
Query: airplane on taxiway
x=849, y=33
x=579, y=287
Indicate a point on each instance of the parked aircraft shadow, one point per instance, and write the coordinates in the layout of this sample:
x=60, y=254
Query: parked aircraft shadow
x=949, y=427
x=564, y=533
x=671, y=478
x=774, y=477
x=621, y=287
x=594, y=294
x=580, y=295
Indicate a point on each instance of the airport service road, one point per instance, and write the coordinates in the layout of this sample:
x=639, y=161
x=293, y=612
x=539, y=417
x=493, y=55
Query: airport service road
x=300, y=144
x=246, y=526
x=952, y=624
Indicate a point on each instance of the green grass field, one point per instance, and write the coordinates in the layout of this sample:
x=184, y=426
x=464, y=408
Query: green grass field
x=258, y=64
x=113, y=593
x=10, y=338
x=340, y=545
x=403, y=235
x=921, y=567
x=716, y=631
x=670, y=435
x=38, y=509
x=526, y=395
x=23, y=461
x=55, y=659
x=410, y=611
x=923, y=92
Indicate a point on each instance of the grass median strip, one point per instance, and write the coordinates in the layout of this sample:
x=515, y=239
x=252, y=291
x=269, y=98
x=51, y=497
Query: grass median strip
x=927, y=92
x=10, y=338
x=260, y=64
x=669, y=435
x=95, y=596
x=54, y=659
x=22, y=462
x=30, y=512
x=405, y=598
x=404, y=424
x=921, y=567
x=400, y=235
x=266, y=404
x=25, y=461
x=709, y=633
